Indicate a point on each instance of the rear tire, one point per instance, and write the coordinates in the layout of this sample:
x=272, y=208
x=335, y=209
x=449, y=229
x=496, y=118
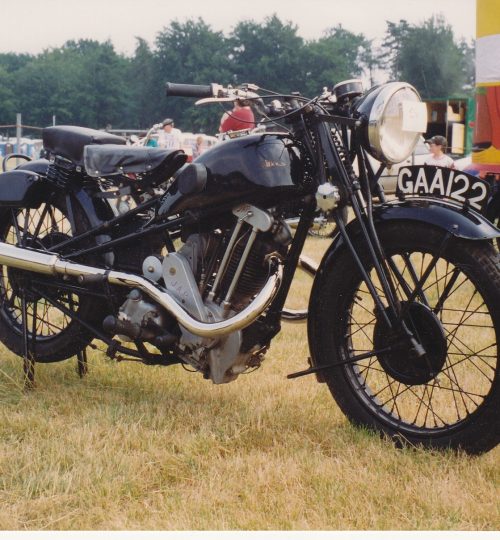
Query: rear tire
x=452, y=398
x=58, y=336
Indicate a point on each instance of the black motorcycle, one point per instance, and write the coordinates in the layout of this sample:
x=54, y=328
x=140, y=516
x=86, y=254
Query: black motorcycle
x=167, y=262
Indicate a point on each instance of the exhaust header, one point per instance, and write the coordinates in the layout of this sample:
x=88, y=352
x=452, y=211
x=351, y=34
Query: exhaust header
x=51, y=264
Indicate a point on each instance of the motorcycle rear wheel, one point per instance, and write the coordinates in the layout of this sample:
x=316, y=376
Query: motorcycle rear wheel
x=448, y=399
x=58, y=336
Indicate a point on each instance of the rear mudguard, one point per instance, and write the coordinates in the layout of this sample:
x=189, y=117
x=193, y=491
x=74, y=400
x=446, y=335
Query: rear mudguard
x=39, y=166
x=27, y=187
x=21, y=189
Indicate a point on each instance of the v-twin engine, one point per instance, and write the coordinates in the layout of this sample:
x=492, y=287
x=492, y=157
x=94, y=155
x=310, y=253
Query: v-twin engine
x=216, y=275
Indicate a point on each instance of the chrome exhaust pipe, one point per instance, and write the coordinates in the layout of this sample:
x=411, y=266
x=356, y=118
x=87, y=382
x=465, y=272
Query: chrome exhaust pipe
x=51, y=264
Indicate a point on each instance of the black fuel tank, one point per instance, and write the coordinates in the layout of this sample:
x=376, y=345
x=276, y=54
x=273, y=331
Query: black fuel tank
x=257, y=168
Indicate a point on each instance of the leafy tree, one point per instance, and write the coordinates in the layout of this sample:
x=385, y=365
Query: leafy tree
x=193, y=53
x=82, y=82
x=337, y=56
x=145, y=91
x=396, y=36
x=101, y=87
x=45, y=88
x=86, y=82
x=426, y=56
x=468, y=51
x=268, y=54
x=8, y=101
x=11, y=62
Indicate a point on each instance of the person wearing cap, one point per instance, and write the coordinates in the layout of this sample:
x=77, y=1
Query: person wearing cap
x=437, y=147
x=169, y=137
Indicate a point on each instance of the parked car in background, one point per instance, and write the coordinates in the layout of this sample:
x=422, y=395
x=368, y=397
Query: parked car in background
x=389, y=177
x=462, y=163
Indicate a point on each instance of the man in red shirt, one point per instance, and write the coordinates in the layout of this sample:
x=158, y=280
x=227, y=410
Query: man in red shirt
x=240, y=117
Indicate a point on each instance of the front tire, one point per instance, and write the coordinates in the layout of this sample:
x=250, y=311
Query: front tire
x=449, y=398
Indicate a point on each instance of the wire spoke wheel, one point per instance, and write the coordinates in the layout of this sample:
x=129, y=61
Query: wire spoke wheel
x=446, y=395
x=57, y=334
x=467, y=370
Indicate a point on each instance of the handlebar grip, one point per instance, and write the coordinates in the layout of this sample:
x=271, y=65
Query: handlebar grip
x=189, y=90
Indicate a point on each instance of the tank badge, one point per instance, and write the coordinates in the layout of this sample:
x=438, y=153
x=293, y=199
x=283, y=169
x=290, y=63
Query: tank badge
x=270, y=164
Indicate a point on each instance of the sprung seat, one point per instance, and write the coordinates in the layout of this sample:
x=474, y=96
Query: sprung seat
x=69, y=141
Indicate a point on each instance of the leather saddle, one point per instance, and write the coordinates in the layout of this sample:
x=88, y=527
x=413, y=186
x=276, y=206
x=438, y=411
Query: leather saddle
x=105, y=154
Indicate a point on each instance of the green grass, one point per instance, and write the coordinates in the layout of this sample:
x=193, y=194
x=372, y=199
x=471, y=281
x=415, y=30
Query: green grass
x=136, y=447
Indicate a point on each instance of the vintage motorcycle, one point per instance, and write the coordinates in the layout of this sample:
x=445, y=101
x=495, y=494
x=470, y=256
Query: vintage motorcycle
x=404, y=314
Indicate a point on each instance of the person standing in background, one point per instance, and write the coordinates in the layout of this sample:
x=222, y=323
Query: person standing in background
x=437, y=146
x=169, y=137
x=198, y=147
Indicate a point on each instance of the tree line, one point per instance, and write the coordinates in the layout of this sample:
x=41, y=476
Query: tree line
x=89, y=83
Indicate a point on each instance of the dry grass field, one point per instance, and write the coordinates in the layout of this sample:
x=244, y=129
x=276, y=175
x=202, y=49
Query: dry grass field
x=136, y=447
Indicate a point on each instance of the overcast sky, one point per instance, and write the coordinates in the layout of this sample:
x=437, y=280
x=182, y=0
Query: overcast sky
x=34, y=25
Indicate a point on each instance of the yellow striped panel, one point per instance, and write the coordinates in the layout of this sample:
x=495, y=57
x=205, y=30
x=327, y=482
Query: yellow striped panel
x=488, y=17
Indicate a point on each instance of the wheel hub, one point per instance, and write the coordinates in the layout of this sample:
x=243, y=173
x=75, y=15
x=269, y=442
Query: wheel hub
x=402, y=362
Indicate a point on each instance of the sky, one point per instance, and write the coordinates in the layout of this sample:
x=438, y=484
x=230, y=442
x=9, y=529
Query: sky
x=31, y=26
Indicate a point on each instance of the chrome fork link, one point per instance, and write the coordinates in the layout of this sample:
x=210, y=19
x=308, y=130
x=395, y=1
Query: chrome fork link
x=260, y=221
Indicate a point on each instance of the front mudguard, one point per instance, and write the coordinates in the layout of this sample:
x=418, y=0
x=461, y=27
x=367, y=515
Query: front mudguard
x=493, y=209
x=449, y=217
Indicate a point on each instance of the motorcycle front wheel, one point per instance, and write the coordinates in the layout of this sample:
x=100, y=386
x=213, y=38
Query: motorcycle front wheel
x=450, y=396
x=53, y=332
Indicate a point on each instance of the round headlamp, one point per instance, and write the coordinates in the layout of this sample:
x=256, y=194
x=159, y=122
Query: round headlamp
x=394, y=117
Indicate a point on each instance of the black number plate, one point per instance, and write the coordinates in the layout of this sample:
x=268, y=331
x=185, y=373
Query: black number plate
x=443, y=183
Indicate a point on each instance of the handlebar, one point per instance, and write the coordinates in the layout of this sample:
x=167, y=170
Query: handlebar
x=190, y=90
x=215, y=93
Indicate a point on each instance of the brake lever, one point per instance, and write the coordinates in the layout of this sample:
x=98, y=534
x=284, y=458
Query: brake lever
x=204, y=101
x=231, y=94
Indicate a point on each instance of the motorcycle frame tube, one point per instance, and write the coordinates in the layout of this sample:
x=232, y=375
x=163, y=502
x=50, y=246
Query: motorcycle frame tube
x=269, y=325
x=98, y=225
x=50, y=264
x=292, y=260
x=337, y=170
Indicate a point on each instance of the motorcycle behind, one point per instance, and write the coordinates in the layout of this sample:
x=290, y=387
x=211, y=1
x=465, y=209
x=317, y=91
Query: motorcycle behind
x=404, y=313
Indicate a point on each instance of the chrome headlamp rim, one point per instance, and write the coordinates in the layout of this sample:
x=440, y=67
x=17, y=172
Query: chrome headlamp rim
x=376, y=107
